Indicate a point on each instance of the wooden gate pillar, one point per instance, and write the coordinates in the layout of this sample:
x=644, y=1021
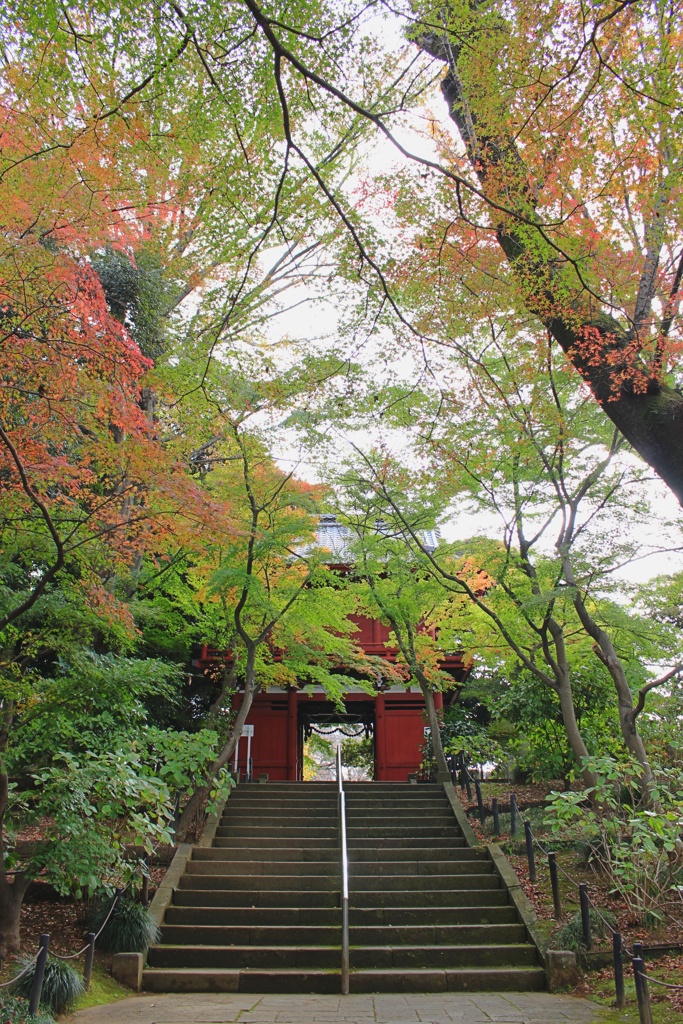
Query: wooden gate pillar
x=292, y=735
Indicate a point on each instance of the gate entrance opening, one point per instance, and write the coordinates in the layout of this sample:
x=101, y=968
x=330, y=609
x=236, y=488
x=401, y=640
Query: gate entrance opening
x=322, y=728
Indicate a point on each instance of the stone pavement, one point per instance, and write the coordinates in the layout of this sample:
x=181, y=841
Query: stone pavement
x=432, y=1008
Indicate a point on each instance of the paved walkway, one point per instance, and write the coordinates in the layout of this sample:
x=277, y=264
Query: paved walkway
x=513, y=1008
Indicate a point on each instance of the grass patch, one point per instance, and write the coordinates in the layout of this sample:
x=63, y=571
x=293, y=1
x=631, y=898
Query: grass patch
x=103, y=989
x=602, y=992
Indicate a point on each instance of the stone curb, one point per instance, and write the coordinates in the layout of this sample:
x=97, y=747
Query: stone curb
x=460, y=815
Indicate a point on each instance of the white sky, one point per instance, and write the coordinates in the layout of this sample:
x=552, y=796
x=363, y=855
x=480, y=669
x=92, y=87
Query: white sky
x=315, y=321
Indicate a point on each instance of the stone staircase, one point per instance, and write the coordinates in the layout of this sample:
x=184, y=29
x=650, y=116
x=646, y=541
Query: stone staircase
x=258, y=910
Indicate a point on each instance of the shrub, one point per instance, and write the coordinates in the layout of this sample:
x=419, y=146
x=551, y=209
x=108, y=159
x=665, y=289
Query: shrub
x=635, y=847
x=570, y=936
x=15, y=1011
x=130, y=929
x=62, y=984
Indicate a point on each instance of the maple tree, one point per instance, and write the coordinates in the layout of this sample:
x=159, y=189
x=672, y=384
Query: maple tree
x=554, y=473
x=389, y=586
x=268, y=600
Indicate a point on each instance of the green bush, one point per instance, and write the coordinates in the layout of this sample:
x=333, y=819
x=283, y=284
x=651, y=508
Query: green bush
x=570, y=936
x=130, y=929
x=62, y=984
x=15, y=1011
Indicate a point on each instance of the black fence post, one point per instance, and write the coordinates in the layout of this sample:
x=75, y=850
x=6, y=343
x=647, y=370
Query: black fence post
x=619, y=989
x=513, y=815
x=642, y=993
x=89, y=957
x=585, y=915
x=555, y=885
x=496, y=818
x=468, y=785
x=480, y=804
x=529, y=839
x=37, y=984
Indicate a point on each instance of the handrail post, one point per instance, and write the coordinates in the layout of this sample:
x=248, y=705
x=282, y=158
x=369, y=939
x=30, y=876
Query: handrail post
x=555, y=885
x=619, y=990
x=480, y=803
x=344, y=879
x=89, y=957
x=642, y=994
x=529, y=839
x=37, y=986
x=584, y=903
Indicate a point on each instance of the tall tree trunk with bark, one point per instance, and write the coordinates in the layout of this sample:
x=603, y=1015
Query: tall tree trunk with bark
x=11, y=892
x=642, y=405
x=605, y=651
x=434, y=724
x=197, y=798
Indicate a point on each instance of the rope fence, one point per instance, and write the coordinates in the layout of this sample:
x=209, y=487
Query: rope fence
x=40, y=959
x=461, y=775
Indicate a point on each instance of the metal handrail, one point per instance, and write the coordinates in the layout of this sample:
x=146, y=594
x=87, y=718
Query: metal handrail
x=344, y=878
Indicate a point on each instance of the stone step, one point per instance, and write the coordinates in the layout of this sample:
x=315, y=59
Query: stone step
x=277, y=821
x=290, y=883
x=437, y=916
x=256, y=869
x=252, y=934
x=405, y=798
x=207, y=980
x=414, y=822
x=198, y=896
x=455, y=841
x=417, y=854
x=486, y=979
x=259, y=910
x=365, y=855
x=328, y=957
x=255, y=853
x=416, y=868
x=195, y=895
x=365, y=917
x=260, y=833
x=230, y=842
x=255, y=917
x=355, y=832
x=487, y=894
x=265, y=957
x=328, y=935
x=280, y=790
x=471, y=979
x=420, y=884
x=407, y=815
x=279, y=806
x=375, y=790
x=221, y=862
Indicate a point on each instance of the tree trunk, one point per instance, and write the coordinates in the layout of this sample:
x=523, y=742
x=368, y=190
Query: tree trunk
x=647, y=410
x=434, y=725
x=11, y=893
x=629, y=731
x=11, y=899
x=200, y=793
x=604, y=649
x=579, y=748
